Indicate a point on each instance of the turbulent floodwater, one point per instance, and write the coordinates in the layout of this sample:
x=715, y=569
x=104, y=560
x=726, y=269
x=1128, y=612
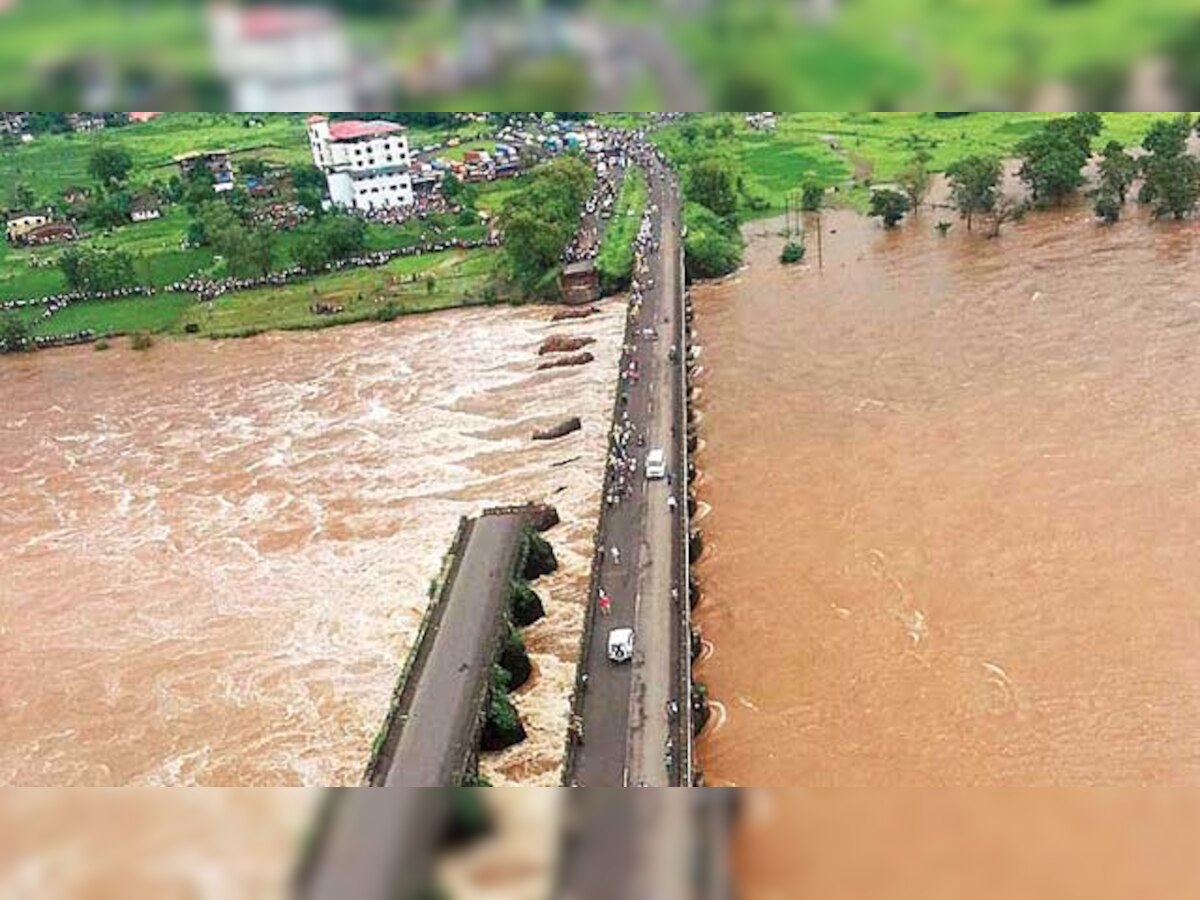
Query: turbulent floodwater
x=955, y=507
x=215, y=555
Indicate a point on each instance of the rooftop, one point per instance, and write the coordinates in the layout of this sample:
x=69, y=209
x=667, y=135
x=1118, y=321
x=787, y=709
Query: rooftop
x=355, y=128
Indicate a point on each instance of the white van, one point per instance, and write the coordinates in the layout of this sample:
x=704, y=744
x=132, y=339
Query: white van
x=656, y=465
x=620, y=645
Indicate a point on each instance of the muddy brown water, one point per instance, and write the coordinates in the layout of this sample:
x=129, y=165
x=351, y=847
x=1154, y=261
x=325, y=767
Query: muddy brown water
x=214, y=555
x=955, y=507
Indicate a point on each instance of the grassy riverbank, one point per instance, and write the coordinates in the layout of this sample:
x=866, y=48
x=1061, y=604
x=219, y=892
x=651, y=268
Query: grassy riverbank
x=410, y=284
x=615, y=259
x=849, y=151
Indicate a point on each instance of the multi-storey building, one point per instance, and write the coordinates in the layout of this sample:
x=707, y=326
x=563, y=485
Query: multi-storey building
x=366, y=164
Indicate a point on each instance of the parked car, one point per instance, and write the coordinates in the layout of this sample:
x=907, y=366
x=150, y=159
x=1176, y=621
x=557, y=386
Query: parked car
x=656, y=465
x=620, y=645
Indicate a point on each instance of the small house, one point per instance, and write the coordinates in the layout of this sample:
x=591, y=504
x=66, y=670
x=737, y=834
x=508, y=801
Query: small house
x=18, y=225
x=216, y=161
x=580, y=282
x=144, y=208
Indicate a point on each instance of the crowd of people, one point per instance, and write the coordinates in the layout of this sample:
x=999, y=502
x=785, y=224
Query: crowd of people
x=52, y=303
x=205, y=288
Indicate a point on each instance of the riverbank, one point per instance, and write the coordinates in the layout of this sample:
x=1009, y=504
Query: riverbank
x=425, y=282
x=846, y=152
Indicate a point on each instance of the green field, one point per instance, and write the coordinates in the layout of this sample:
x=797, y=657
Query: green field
x=615, y=259
x=851, y=150
x=460, y=278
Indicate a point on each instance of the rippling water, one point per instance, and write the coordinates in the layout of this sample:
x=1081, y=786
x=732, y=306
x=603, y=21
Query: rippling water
x=955, y=504
x=215, y=554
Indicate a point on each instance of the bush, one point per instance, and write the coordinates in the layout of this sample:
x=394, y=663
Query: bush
x=101, y=344
x=793, y=252
x=539, y=557
x=140, y=340
x=14, y=333
x=389, y=312
x=1108, y=206
x=713, y=246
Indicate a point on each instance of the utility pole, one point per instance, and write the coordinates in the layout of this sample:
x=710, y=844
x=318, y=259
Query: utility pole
x=820, y=255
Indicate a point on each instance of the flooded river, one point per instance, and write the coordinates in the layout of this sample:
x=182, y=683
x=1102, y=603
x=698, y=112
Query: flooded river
x=215, y=555
x=955, y=505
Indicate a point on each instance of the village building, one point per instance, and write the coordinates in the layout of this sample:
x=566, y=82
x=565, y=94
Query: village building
x=367, y=165
x=18, y=225
x=279, y=58
x=216, y=161
x=84, y=122
x=13, y=122
x=580, y=282
x=144, y=208
x=75, y=194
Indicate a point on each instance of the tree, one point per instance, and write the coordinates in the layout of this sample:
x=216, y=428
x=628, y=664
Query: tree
x=14, y=332
x=1171, y=178
x=889, y=205
x=311, y=253
x=1107, y=205
x=110, y=164
x=253, y=168
x=1172, y=185
x=711, y=183
x=95, y=271
x=974, y=182
x=343, y=235
x=1053, y=158
x=793, y=252
x=307, y=176
x=110, y=210
x=915, y=179
x=1167, y=138
x=1006, y=209
x=539, y=221
x=713, y=245
x=24, y=196
x=1117, y=170
x=812, y=195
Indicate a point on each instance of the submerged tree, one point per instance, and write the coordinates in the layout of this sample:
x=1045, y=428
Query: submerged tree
x=1171, y=178
x=888, y=205
x=974, y=183
x=916, y=178
x=1117, y=170
x=1053, y=158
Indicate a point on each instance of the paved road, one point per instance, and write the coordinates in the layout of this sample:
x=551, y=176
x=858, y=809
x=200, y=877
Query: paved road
x=624, y=710
x=376, y=845
x=631, y=845
x=435, y=737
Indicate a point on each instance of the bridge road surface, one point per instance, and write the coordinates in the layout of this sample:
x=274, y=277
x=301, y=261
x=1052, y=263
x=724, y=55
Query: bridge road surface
x=624, y=709
x=435, y=737
x=378, y=844
x=670, y=844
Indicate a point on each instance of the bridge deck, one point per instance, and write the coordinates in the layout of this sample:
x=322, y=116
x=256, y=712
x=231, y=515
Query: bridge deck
x=437, y=728
x=626, y=726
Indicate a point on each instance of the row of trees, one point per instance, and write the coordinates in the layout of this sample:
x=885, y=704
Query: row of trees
x=1053, y=160
x=713, y=244
x=539, y=221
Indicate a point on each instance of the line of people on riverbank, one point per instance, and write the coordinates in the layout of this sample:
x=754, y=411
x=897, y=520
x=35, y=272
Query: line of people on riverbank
x=206, y=288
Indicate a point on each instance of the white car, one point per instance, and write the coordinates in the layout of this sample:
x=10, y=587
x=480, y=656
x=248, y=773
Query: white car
x=620, y=645
x=656, y=465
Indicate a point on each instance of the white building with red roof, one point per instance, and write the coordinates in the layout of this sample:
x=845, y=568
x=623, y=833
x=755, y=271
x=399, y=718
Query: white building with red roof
x=279, y=58
x=366, y=163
